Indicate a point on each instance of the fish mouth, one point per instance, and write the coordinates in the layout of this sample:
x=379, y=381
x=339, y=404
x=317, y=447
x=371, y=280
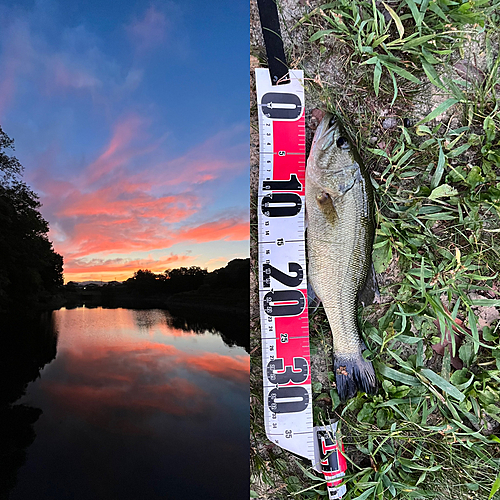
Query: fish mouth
x=327, y=134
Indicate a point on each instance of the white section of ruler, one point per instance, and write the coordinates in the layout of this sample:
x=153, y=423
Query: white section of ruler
x=281, y=241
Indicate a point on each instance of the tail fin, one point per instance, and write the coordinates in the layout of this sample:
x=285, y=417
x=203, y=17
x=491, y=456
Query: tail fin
x=353, y=372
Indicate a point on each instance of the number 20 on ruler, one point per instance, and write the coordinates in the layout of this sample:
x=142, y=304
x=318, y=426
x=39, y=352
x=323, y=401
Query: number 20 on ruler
x=283, y=285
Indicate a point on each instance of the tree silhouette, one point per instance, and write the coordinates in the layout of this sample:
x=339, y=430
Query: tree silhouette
x=30, y=270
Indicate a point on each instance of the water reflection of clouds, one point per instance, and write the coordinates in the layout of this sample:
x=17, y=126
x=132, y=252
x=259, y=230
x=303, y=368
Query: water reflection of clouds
x=105, y=381
x=127, y=413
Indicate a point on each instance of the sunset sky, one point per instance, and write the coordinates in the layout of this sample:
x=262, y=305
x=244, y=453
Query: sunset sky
x=131, y=120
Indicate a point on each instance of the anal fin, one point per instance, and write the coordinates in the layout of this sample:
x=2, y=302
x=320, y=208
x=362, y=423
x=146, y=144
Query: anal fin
x=370, y=293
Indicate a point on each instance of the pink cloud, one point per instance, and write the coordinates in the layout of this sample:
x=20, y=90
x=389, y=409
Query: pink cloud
x=121, y=149
x=235, y=369
x=112, y=208
x=204, y=162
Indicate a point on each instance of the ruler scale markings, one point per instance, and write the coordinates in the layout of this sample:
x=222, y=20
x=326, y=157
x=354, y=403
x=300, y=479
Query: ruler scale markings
x=282, y=266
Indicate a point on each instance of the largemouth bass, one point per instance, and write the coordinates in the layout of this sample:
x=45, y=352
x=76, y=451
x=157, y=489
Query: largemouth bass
x=340, y=231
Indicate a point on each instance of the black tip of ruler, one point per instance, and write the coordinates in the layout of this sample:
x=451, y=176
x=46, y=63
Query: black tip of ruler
x=276, y=58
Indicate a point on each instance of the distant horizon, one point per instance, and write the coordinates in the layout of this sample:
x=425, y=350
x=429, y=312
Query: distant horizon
x=131, y=275
x=115, y=110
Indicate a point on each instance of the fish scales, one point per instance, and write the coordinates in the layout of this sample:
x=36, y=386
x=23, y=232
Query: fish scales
x=339, y=205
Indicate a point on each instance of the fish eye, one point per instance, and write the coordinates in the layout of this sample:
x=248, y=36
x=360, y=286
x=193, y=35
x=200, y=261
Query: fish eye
x=341, y=141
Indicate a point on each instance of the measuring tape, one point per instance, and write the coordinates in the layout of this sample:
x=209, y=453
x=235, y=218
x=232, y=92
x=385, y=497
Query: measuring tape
x=283, y=283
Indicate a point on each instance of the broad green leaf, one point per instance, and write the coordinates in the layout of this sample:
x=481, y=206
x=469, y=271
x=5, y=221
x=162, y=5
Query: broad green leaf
x=366, y=494
x=401, y=72
x=372, y=60
x=379, y=40
x=382, y=255
x=412, y=465
x=423, y=129
x=398, y=376
x=414, y=12
x=436, y=9
x=486, y=302
x=442, y=384
x=320, y=34
x=395, y=86
x=443, y=191
x=378, y=152
x=431, y=73
x=474, y=177
x=414, y=42
x=473, y=329
x=458, y=151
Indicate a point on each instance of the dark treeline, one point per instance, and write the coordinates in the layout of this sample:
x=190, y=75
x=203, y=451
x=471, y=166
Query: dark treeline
x=184, y=279
x=30, y=270
x=224, y=288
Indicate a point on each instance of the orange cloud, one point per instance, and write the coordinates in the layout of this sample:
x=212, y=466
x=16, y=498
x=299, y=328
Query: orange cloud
x=121, y=264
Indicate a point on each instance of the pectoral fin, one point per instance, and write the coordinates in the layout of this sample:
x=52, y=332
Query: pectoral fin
x=325, y=204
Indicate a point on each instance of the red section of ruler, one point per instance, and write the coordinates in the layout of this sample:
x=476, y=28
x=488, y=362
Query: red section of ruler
x=289, y=150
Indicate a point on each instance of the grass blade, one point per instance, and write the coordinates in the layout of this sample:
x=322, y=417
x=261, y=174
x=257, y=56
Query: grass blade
x=397, y=20
x=377, y=72
x=417, y=16
x=439, y=110
x=495, y=487
x=431, y=73
x=436, y=178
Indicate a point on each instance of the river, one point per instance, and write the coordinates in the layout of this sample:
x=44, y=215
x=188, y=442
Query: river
x=135, y=408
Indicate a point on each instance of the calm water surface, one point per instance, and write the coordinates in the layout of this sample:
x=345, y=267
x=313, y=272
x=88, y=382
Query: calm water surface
x=136, y=409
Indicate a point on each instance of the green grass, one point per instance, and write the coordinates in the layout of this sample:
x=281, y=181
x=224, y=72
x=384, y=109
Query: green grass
x=430, y=430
